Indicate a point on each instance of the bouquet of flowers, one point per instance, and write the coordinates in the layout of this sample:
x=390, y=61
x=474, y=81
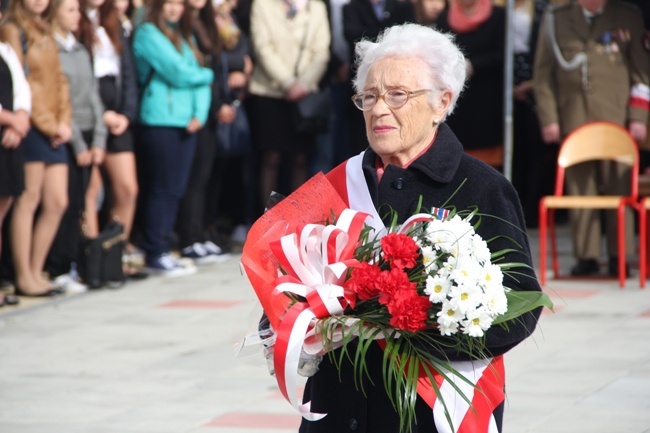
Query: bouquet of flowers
x=431, y=282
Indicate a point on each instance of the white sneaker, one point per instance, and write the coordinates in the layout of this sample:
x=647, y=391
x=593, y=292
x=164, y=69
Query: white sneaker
x=70, y=284
x=215, y=250
x=198, y=253
x=168, y=265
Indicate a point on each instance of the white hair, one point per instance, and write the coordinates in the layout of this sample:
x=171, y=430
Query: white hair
x=445, y=61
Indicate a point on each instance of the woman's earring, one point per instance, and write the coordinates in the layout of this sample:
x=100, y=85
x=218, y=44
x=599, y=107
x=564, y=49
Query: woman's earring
x=436, y=121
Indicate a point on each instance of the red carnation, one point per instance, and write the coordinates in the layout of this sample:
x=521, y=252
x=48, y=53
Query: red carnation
x=364, y=281
x=392, y=282
x=409, y=311
x=400, y=250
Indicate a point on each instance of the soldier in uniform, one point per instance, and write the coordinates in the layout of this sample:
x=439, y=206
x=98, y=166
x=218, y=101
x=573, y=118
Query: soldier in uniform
x=591, y=66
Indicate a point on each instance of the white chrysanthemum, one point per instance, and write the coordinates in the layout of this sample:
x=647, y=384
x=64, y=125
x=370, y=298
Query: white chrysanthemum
x=495, y=300
x=478, y=321
x=466, y=270
x=443, y=236
x=429, y=258
x=444, y=241
x=437, y=287
x=448, y=328
x=491, y=276
x=479, y=249
x=448, y=317
x=465, y=297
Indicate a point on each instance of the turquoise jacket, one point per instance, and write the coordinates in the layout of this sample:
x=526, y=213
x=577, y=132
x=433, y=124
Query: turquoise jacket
x=176, y=88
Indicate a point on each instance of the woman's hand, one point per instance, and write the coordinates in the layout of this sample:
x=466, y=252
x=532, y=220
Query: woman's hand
x=97, y=155
x=522, y=90
x=296, y=92
x=115, y=122
x=237, y=80
x=193, y=126
x=21, y=122
x=84, y=158
x=63, y=135
x=10, y=138
x=226, y=114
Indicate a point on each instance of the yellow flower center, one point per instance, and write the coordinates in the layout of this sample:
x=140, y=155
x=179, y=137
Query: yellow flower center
x=475, y=321
x=464, y=296
x=438, y=288
x=450, y=313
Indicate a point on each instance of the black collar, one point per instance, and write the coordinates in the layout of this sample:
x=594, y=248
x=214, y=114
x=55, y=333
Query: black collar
x=439, y=163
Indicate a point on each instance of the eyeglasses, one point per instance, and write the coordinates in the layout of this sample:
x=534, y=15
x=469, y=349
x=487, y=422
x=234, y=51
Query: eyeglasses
x=394, y=98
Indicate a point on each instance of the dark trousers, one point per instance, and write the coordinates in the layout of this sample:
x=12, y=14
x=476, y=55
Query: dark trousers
x=533, y=161
x=166, y=155
x=65, y=247
x=190, y=226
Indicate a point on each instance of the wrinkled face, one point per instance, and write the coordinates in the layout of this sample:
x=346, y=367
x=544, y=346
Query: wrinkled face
x=173, y=10
x=398, y=135
x=592, y=5
x=432, y=8
x=68, y=15
x=36, y=7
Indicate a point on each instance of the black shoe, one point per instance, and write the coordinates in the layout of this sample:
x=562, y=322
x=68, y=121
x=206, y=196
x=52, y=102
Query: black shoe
x=585, y=267
x=612, y=267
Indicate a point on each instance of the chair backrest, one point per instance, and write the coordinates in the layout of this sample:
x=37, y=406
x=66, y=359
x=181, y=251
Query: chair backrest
x=598, y=141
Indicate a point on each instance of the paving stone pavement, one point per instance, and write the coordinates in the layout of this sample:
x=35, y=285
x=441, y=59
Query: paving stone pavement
x=157, y=356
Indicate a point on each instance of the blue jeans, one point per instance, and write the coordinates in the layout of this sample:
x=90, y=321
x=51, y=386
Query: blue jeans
x=166, y=159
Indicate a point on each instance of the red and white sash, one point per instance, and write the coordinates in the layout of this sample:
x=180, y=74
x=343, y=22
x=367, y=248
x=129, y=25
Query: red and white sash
x=487, y=376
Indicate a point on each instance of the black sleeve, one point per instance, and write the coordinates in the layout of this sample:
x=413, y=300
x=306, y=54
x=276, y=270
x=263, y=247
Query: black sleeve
x=130, y=93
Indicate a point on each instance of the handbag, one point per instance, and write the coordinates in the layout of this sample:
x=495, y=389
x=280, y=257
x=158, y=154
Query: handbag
x=233, y=139
x=311, y=114
x=100, y=258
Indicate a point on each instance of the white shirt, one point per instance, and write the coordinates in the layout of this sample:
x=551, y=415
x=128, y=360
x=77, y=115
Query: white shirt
x=68, y=42
x=22, y=92
x=106, y=61
x=521, y=23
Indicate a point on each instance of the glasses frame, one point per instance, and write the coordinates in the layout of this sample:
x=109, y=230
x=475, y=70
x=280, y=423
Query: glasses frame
x=409, y=94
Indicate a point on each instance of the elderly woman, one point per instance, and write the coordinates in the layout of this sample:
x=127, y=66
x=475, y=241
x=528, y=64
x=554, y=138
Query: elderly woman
x=408, y=83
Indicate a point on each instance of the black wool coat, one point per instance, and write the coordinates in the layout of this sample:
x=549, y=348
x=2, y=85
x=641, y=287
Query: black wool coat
x=444, y=176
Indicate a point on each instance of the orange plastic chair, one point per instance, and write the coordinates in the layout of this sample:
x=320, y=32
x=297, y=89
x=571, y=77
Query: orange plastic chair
x=595, y=141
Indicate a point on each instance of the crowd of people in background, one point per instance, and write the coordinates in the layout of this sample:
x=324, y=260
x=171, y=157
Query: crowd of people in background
x=110, y=109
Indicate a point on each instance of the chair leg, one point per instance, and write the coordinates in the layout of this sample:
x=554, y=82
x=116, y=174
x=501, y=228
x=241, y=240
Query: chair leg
x=643, y=242
x=621, y=246
x=542, y=242
x=552, y=231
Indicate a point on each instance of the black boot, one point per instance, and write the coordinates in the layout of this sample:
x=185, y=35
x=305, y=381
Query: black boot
x=585, y=267
x=612, y=267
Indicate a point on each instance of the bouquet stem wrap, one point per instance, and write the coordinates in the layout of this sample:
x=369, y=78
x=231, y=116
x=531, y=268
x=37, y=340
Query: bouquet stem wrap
x=316, y=260
x=315, y=270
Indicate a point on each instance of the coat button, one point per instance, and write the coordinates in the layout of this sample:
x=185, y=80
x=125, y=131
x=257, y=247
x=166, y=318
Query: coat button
x=354, y=424
x=398, y=183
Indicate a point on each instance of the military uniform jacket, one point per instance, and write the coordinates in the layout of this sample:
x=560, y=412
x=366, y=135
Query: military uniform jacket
x=616, y=64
